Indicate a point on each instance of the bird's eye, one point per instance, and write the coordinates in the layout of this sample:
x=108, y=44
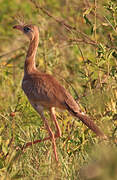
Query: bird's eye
x=26, y=29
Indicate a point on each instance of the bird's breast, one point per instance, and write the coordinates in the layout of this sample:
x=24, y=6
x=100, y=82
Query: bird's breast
x=27, y=87
x=37, y=93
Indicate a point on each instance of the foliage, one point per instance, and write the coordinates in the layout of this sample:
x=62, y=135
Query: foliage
x=78, y=45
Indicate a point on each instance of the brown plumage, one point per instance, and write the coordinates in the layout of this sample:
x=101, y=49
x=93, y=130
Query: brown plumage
x=44, y=91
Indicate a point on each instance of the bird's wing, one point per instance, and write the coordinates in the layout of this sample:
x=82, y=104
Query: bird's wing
x=47, y=90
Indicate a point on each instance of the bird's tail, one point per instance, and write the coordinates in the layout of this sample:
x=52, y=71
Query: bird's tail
x=87, y=121
x=90, y=124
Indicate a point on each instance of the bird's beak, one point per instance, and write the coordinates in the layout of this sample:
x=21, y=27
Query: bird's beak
x=18, y=27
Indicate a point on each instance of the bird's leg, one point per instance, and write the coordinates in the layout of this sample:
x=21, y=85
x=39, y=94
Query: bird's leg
x=53, y=116
x=39, y=109
x=51, y=137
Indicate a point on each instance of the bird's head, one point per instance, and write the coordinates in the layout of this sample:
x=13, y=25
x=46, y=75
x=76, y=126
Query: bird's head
x=31, y=31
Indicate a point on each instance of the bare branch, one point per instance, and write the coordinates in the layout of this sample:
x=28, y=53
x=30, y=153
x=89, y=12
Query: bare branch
x=86, y=38
x=8, y=53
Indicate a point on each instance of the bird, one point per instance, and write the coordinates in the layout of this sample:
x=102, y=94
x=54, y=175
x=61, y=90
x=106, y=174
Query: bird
x=45, y=92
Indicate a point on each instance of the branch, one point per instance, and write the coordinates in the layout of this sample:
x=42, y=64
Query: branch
x=8, y=53
x=67, y=26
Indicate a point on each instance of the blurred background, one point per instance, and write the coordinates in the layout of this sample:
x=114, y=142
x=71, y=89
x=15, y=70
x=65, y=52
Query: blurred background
x=78, y=45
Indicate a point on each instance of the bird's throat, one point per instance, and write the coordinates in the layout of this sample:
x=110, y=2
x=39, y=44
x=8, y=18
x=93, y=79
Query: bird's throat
x=29, y=65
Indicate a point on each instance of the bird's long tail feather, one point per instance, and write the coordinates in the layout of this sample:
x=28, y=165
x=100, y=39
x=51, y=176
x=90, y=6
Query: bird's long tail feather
x=90, y=124
x=87, y=121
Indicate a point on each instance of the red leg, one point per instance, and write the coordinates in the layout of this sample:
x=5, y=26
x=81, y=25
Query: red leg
x=53, y=116
x=51, y=137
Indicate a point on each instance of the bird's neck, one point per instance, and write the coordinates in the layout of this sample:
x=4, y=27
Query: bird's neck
x=29, y=65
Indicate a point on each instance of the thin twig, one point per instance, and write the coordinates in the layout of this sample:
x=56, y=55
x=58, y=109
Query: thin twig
x=8, y=53
x=110, y=23
x=95, y=31
x=67, y=26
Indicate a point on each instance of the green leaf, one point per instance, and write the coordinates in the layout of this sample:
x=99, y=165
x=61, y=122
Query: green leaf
x=87, y=20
